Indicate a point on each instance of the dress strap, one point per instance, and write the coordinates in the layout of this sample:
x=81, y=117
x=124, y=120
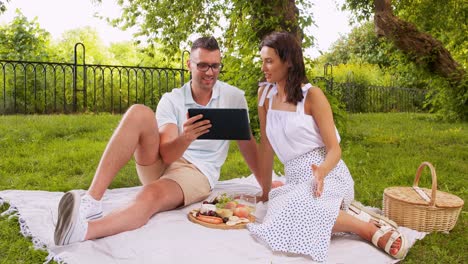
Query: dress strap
x=264, y=93
x=300, y=105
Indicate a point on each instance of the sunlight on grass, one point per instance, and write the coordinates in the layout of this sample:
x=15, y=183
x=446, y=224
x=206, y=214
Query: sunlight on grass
x=61, y=152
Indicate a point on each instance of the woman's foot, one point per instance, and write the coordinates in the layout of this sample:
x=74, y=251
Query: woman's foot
x=394, y=248
x=391, y=241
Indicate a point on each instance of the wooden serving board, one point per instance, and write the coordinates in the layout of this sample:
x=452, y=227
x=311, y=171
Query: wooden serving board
x=220, y=226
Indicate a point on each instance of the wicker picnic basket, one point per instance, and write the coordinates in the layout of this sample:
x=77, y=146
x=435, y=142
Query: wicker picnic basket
x=420, y=208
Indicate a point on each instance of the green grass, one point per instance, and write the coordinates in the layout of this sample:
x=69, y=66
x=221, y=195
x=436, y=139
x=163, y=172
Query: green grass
x=59, y=153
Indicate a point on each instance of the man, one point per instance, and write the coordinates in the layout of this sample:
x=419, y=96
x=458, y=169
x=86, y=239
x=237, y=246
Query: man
x=174, y=168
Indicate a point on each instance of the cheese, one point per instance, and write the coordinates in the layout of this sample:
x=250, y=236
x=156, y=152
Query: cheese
x=205, y=208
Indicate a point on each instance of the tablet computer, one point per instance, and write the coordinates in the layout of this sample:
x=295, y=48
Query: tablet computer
x=227, y=123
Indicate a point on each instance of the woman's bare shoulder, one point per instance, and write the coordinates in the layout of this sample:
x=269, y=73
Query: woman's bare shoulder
x=261, y=87
x=314, y=92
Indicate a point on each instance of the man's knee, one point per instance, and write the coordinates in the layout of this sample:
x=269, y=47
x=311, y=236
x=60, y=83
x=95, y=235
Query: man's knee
x=161, y=195
x=150, y=193
x=139, y=114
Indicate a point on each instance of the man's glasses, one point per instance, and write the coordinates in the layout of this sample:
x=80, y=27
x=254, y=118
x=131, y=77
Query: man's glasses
x=203, y=66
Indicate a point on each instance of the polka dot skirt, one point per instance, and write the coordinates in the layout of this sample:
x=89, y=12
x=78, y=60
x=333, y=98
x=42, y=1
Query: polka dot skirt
x=298, y=222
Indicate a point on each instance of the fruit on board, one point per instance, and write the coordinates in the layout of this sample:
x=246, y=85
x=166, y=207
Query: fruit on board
x=242, y=212
x=231, y=205
x=224, y=212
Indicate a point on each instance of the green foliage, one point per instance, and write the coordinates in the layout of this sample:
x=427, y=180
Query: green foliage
x=364, y=58
x=238, y=25
x=36, y=88
x=94, y=48
x=23, y=40
x=132, y=54
x=3, y=6
x=449, y=101
x=369, y=74
x=444, y=20
x=361, y=45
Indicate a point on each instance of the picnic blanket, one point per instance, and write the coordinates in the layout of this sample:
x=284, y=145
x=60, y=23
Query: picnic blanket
x=169, y=237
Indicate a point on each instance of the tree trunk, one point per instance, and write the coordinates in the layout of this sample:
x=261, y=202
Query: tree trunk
x=285, y=12
x=421, y=47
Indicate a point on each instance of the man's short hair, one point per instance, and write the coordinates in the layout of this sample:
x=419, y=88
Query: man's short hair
x=208, y=43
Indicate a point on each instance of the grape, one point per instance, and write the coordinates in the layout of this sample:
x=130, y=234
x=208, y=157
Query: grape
x=222, y=200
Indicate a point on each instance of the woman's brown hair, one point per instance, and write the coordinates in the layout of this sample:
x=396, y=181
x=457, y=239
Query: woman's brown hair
x=289, y=50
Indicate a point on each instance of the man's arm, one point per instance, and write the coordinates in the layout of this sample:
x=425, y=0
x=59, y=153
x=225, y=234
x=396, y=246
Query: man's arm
x=172, y=145
x=249, y=151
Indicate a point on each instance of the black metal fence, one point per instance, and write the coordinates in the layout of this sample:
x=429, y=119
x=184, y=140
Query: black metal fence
x=368, y=98
x=358, y=97
x=28, y=87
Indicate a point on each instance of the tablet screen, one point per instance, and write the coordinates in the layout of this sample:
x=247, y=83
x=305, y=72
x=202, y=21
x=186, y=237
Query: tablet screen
x=227, y=123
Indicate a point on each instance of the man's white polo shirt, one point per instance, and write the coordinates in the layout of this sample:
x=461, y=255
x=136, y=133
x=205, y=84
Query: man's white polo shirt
x=207, y=155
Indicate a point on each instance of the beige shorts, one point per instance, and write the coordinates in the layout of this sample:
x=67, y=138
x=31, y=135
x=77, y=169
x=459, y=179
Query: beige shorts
x=191, y=180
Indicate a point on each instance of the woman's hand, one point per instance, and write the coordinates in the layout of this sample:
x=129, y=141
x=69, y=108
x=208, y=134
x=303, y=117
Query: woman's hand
x=276, y=184
x=263, y=198
x=319, y=176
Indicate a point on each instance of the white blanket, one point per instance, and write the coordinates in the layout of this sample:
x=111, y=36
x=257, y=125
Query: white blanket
x=170, y=237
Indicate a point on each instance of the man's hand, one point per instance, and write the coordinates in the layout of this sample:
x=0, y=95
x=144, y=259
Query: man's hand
x=193, y=128
x=319, y=177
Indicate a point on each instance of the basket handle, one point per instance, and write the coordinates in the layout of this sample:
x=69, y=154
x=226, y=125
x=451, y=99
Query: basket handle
x=434, y=183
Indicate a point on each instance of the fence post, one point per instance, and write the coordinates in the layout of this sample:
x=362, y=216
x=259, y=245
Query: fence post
x=75, y=78
x=328, y=76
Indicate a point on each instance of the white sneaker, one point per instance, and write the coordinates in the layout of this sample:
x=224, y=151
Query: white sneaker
x=71, y=224
x=90, y=208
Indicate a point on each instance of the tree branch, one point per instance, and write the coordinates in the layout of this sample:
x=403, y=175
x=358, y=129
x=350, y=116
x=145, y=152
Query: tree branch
x=422, y=48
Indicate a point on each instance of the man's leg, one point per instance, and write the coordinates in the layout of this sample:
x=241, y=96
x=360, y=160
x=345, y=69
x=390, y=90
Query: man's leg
x=136, y=134
x=181, y=184
x=160, y=195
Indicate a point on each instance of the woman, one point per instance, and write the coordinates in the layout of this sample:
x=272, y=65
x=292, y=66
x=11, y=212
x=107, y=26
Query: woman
x=296, y=123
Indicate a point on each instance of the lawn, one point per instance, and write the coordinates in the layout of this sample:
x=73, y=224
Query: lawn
x=61, y=152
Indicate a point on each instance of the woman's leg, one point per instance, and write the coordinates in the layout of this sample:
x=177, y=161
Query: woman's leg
x=349, y=223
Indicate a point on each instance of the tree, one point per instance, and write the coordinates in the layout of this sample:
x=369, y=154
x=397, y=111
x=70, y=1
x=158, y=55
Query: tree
x=361, y=45
x=239, y=26
x=3, y=6
x=23, y=40
x=419, y=45
x=96, y=52
x=238, y=22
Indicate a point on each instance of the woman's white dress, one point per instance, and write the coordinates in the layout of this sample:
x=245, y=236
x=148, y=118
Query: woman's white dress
x=296, y=221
